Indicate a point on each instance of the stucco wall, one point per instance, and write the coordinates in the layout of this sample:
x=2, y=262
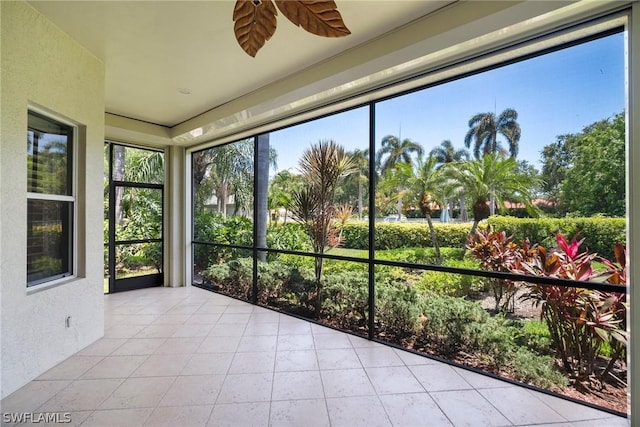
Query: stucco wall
x=42, y=66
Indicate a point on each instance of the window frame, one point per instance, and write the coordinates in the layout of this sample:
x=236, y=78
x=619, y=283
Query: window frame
x=70, y=198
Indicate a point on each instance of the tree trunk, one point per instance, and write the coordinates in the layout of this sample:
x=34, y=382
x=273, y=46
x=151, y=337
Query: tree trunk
x=492, y=203
x=261, y=193
x=434, y=239
x=359, y=200
x=464, y=216
x=221, y=194
x=472, y=232
x=118, y=175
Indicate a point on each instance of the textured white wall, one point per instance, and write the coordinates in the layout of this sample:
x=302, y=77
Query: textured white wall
x=43, y=66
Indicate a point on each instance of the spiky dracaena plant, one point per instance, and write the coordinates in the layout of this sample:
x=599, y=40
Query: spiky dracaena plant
x=323, y=166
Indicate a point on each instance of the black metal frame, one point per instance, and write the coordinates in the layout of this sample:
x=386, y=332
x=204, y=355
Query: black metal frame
x=136, y=282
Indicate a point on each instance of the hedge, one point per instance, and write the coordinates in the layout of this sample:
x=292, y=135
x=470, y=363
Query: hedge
x=600, y=233
x=394, y=235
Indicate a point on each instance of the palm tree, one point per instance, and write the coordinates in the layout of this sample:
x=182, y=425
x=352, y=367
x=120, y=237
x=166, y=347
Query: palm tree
x=446, y=153
x=361, y=161
x=487, y=178
x=323, y=166
x=394, y=184
x=134, y=165
x=228, y=170
x=484, y=129
x=397, y=151
x=281, y=189
x=263, y=161
x=426, y=183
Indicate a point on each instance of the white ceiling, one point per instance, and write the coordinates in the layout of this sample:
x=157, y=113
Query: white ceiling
x=151, y=49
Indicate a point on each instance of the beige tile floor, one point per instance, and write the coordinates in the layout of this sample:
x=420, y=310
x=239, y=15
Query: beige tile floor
x=188, y=357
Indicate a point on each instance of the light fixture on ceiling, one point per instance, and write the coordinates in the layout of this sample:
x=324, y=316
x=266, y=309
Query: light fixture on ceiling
x=255, y=20
x=184, y=91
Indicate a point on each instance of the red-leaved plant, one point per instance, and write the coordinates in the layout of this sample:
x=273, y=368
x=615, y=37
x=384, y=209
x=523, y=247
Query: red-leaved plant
x=496, y=252
x=579, y=320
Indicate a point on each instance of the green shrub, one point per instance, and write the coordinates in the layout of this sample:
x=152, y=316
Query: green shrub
x=345, y=299
x=535, y=336
x=537, y=370
x=451, y=324
x=397, y=311
x=336, y=266
x=395, y=276
x=216, y=228
x=290, y=236
x=495, y=341
x=302, y=262
x=419, y=255
x=272, y=277
x=456, y=285
x=234, y=278
x=213, y=227
x=217, y=273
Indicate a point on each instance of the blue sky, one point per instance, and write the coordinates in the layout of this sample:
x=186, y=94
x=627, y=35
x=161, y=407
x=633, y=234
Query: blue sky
x=553, y=94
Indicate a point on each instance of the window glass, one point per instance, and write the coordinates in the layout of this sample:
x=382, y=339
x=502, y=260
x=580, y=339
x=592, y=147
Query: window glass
x=48, y=156
x=48, y=235
x=319, y=186
x=50, y=201
x=521, y=147
x=137, y=165
x=223, y=193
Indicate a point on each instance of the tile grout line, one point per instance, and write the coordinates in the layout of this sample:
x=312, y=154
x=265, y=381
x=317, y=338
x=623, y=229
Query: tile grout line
x=324, y=393
x=372, y=384
x=226, y=374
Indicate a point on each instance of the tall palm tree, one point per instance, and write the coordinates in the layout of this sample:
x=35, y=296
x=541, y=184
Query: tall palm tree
x=263, y=161
x=484, y=129
x=397, y=151
x=446, y=153
x=361, y=161
x=395, y=185
x=228, y=170
x=133, y=165
x=486, y=178
x=427, y=183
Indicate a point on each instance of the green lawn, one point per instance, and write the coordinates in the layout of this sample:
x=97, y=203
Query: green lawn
x=355, y=253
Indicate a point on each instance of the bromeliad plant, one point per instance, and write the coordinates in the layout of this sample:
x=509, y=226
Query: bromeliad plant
x=580, y=320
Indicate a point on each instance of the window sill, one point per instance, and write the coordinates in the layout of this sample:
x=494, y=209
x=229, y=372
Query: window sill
x=52, y=284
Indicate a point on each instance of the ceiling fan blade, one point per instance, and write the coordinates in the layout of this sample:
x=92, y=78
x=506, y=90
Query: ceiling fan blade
x=317, y=17
x=255, y=23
